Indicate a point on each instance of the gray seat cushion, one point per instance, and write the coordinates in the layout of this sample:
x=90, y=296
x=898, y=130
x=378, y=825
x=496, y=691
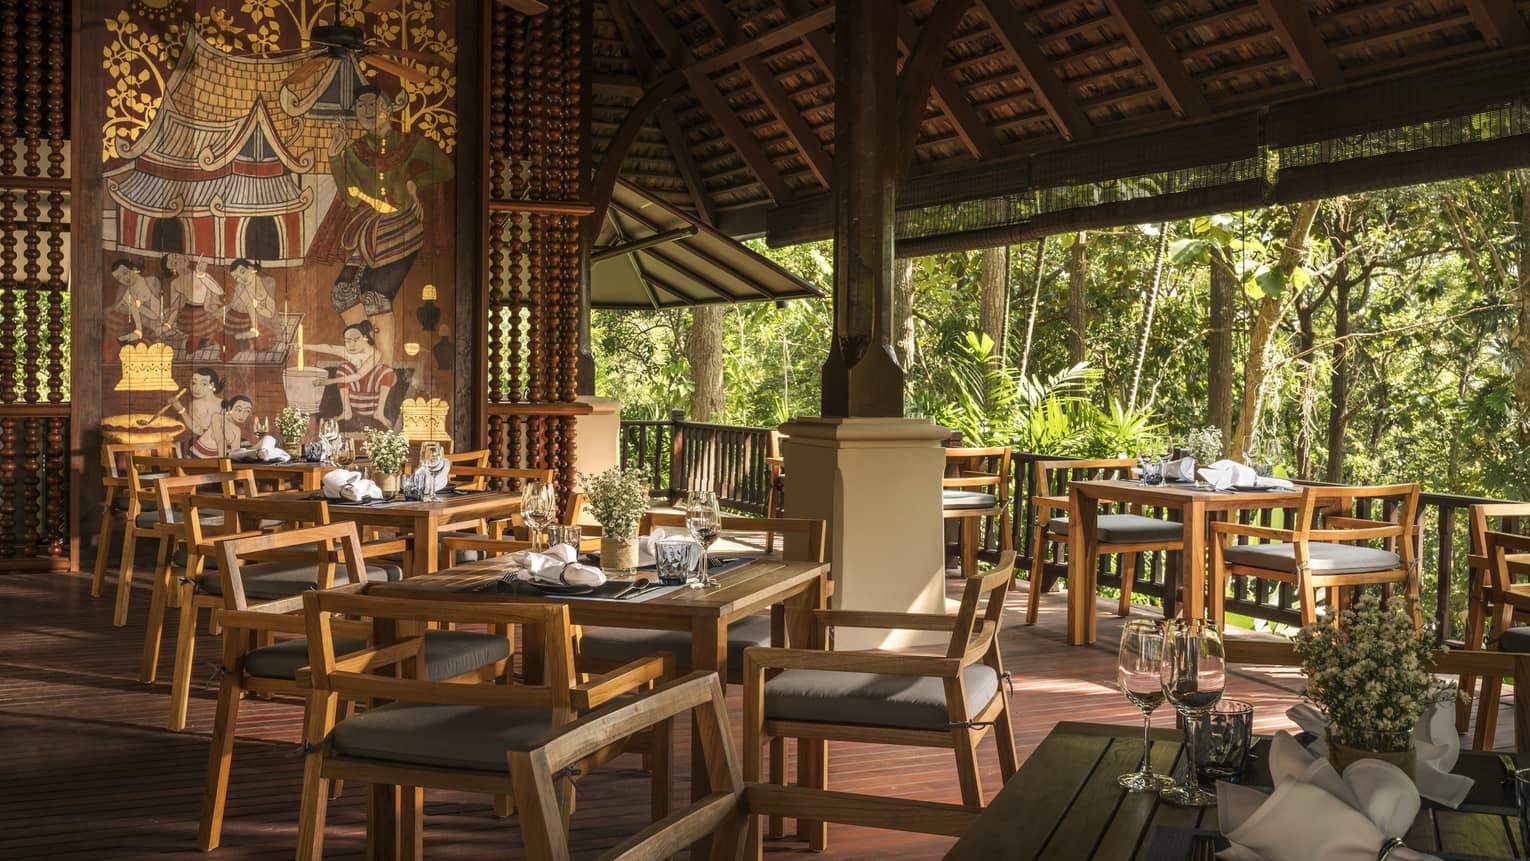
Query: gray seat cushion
x=151, y=519
x=1126, y=528
x=121, y=502
x=1324, y=557
x=967, y=499
x=629, y=644
x=267, y=580
x=450, y=736
x=1515, y=640
x=873, y=699
x=447, y=654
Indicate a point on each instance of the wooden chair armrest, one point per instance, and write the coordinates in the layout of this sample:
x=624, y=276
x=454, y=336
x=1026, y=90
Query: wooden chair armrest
x=384, y=546
x=890, y=663
x=1345, y=522
x=1354, y=534
x=454, y=543
x=367, y=660
x=873, y=619
x=262, y=618
x=1057, y=503
x=1252, y=531
x=623, y=680
x=210, y=545
x=1512, y=543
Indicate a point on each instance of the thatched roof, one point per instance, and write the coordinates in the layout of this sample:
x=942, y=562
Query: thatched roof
x=753, y=131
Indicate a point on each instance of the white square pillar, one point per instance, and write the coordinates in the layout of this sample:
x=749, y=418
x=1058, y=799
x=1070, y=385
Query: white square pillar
x=877, y=483
x=599, y=437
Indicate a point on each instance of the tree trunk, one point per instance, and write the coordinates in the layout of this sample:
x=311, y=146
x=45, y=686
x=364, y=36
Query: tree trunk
x=1219, y=344
x=1306, y=417
x=1338, y=389
x=903, y=310
x=1149, y=310
x=993, y=301
x=704, y=350
x=1078, y=297
x=1522, y=330
x=1261, y=337
x=1030, y=317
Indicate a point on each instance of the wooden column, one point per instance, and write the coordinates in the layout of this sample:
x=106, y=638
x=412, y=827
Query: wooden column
x=862, y=376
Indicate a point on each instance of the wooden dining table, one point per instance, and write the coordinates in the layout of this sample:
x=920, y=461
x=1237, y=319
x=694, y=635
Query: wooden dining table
x=791, y=589
x=1064, y=805
x=424, y=521
x=1195, y=506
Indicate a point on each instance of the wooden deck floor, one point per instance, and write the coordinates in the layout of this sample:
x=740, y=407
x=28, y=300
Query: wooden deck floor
x=90, y=771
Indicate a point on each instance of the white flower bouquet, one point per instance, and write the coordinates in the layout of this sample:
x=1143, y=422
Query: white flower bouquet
x=618, y=498
x=1205, y=445
x=388, y=450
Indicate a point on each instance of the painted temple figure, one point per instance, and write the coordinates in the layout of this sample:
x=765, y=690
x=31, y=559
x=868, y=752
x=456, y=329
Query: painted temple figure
x=204, y=416
x=376, y=224
x=137, y=314
x=196, y=298
x=251, y=321
x=364, y=377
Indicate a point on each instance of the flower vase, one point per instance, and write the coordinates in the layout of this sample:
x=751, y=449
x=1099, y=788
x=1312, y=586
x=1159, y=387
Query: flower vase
x=388, y=483
x=1342, y=756
x=618, y=554
x=292, y=444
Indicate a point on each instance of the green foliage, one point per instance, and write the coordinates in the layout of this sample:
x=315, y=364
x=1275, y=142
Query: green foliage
x=618, y=498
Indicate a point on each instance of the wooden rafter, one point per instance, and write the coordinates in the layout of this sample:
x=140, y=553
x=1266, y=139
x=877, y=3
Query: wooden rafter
x=919, y=70
x=1500, y=23
x=706, y=92
x=797, y=129
x=974, y=133
x=1302, y=42
x=1050, y=92
x=1158, y=57
x=674, y=136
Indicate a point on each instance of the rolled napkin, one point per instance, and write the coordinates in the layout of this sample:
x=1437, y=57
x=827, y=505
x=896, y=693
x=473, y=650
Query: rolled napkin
x=1436, y=748
x=646, y=543
x=265, y=451
x=1179, y=469
x=559, y=565
x=350, y=486
x=1316, y=813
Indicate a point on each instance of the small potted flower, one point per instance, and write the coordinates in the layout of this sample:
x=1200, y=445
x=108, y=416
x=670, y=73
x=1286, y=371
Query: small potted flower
x=291, y=425
x=1371, y=678
x=388, y=450
x=617, y=499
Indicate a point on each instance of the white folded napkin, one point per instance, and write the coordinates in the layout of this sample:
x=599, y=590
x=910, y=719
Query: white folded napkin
x=558, y=565
x=1179, y=469
x=646, y=543
x=1229, y=473
x=265, y=451
x=1436, y=747
x=1316, y=813
x=350, y=486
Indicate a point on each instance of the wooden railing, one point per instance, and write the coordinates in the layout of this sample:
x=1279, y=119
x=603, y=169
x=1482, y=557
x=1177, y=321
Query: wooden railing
x=681, y=456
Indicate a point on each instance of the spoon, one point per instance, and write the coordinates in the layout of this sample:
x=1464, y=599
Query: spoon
x=638, y=585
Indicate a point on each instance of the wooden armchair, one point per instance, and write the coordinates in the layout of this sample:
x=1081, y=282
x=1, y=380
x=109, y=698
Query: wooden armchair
x=1505, y=598
x=887, y=698
x=1129, y=533
x=1491, y=596
x=434, y=735
x=120, y=502
x=144, y=516
x=977, y=486
x=253, y=662
x=1324, y=558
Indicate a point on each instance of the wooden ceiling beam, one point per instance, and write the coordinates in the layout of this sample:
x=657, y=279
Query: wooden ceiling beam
x=1159, y=58
x=1302, y=42
x=674, y=136
x=1047, y=88
x=706, y=92
x=1500, y=23
x=974, y=133
x=775, y=97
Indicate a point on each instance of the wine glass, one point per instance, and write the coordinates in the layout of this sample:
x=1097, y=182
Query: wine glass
x=1139, y=670
x=343, y=452
x=1193, y=673
x=260, y=427
x=432, y=461
x=703, y=518
x=329, y=431
x=539, y=503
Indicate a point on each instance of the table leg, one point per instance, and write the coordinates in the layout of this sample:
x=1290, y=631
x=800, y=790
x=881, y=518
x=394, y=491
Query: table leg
x=1083, y=517
x=382, y=822
x=1194, y=604
x=709, y=651
x=533, y=654
x=427, y=544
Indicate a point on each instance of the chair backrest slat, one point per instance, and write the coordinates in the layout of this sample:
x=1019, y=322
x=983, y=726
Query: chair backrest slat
x=987, y=590
x=1109, y=467
x=231, y=552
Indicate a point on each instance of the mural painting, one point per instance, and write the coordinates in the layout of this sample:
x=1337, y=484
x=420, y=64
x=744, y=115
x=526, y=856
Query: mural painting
x=279, y=218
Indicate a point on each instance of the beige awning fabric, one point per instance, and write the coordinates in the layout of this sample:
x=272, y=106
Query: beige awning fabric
x=650, y=255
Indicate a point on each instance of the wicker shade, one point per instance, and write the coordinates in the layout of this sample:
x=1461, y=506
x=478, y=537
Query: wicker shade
x=674, y=261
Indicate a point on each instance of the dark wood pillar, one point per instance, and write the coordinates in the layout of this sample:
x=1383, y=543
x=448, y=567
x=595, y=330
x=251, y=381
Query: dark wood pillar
x=862, y=376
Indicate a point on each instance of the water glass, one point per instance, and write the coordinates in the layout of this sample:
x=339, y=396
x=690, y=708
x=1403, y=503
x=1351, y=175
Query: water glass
x=559, y=534
x=676, y=559
x=1522, y=793
x=1222, y=739
x=1194, y=675
x=1152, y=470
